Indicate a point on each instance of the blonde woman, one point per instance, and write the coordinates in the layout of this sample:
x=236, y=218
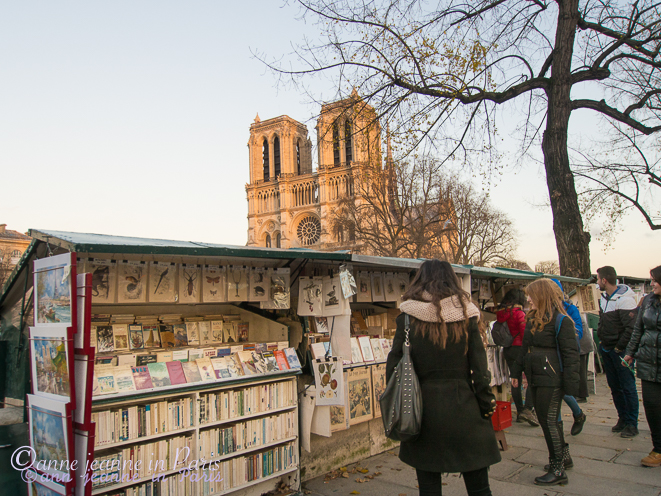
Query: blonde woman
x=550, y=360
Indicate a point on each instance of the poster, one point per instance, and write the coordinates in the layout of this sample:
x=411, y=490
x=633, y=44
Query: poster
x=161, y=282
x=237, y=283
x=360, y=395
x=259, y=284
x=364, y=286
x=329, y=386
x=131, y=282
x=214, y=284
x=54, y=280
x=104, y=279
x=377, y=287
x=389, y=287
x=378, y=386
x=332, y=299
x=189, y=283
x=309, y=296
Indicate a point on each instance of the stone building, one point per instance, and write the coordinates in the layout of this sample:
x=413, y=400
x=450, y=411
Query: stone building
x=12, y=246
x=289, y=205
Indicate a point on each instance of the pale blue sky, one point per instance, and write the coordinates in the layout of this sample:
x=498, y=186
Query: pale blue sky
x=132, y=118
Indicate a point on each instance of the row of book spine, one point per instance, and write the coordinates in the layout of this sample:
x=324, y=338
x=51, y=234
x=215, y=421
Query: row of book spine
x=235, y=403
x=217, y=442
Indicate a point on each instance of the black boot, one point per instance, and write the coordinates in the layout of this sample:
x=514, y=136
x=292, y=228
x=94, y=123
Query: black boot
x=567, y=462
x=554, y=476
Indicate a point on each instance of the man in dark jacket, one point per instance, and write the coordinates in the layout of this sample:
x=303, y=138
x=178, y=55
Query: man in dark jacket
x=616, y=311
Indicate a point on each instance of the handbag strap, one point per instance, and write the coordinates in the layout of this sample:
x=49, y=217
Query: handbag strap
x=407, y=328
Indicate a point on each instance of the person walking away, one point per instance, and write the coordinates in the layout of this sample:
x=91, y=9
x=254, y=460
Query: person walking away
x=512, y=313
x=645, y=348
x=550, y=359
x=575, y=315
x=450, y=360
x=616, y=321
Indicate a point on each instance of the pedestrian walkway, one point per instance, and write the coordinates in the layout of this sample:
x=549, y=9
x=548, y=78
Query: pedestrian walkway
x=604, y=463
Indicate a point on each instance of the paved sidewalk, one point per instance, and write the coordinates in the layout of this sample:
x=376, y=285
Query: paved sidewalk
x=604, y=463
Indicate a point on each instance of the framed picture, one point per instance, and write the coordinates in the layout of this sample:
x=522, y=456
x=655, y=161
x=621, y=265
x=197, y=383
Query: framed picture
x=162, y=277
x=104, y=279
x=189, y=283
x=360, y=395
x=54, y=297
x=50, y=435
x=214, y=284
x=131, y=282
x=52, y=359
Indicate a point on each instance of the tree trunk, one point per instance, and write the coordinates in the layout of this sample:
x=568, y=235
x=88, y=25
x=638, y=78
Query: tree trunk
x=571, y=241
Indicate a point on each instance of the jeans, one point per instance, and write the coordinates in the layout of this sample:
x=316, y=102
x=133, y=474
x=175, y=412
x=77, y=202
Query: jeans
x=548, y=401
x=623, y=386
x=477, y=482
x=652, y=405
x=511, y=354
x=573, y=406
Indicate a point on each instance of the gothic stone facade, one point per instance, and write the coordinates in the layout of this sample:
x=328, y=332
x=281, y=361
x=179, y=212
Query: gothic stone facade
x=289, y=205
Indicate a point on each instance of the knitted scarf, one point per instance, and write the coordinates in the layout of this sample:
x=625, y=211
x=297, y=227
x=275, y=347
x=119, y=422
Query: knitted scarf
x=451, y=309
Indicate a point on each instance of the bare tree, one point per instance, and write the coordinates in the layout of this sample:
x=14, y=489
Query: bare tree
x=548, y=267
x=6, y=266
x=440, y=70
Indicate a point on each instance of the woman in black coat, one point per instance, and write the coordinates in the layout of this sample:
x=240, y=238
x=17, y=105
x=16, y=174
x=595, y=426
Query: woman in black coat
x=645, y=347
x=449, y=359
x=551, y=362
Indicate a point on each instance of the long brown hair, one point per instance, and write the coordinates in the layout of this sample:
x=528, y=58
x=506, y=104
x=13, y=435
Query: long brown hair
x=547, y=298
x=437, y=278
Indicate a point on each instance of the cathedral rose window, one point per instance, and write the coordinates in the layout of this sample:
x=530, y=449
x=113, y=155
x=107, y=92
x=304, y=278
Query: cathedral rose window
x=309, y=230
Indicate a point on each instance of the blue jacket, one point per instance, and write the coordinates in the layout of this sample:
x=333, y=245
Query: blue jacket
x=573, y=312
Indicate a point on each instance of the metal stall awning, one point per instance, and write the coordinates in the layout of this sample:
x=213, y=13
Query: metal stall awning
x=514, y=274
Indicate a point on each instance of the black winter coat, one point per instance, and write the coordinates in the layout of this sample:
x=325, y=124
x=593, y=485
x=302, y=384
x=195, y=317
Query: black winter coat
x=645, y=343
x=454, y=383
x=539, y=357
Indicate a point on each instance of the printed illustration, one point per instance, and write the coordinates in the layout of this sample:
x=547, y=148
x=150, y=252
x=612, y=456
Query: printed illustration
x=54, y=295
x=214, y=284
x=131, y=280
x=189, y=283
x=378, y=386
x=328, y=381
x=48, y=433
x=309, y=295
x=161, y=282
x=50, y=362
x=104, y=339
x=360, y=395
x=237, y=283
x=104, y=276
x=259, y=284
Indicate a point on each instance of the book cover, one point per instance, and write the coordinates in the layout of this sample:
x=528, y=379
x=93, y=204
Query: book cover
x=260, y=347
x=356, y=354
x=124, y=379
x=120, y=333
x=377, y=350
x=176, y=372
x=164, y=356
x=204, y=329
x=124, y=360
x=272, y=346
x=106, y=379
x=242, y=331
x=366, y=348
x=145, y=359
x=259, y=361
x=206, y=369
x=104, y=339
x=167, y=336
x=159, y=374
x=107, y=360
x=271, y=362
x=210, y=352
x=223, y=351
x=247, y=363
x=180, y=355
x=136, y=339
x=193, y=332
x=191, y=371
x=318, y=350
x=385, y=346
x=194, y=354
x=180, y=335
x=230, y=332
x=141, y=377
x=282, y=345
x=217, y=331
x=93, y=337
x=236, y=348
x=234, y=366
x=151, y=336
x=292, y=358
x=281, y=359
x=220, y=368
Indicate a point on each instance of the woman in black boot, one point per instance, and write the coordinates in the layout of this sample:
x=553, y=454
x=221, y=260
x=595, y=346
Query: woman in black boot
x=551, y=363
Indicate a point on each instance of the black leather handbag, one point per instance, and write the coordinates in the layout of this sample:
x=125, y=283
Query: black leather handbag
x=401, y=402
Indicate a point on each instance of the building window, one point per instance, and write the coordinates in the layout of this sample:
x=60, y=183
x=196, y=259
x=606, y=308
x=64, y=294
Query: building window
x=268, y=241
x=336, y=145
x=276, y=157
x=265, y=159
x=348, y=138
x=309, y=230
x=298, y=156
x=278, y=240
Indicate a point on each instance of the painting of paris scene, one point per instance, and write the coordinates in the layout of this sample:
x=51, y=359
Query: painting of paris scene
x=39, y=489
x=50, y=364
x=53, y=284
x=48, y=434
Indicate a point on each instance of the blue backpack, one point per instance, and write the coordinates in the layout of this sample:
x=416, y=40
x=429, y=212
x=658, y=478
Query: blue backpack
x=558, y=323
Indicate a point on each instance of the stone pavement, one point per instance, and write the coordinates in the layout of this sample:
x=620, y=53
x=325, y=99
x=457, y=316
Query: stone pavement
x=604, y=463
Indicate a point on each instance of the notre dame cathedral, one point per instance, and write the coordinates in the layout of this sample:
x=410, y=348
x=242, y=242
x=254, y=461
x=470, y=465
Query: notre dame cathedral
x=289, y=204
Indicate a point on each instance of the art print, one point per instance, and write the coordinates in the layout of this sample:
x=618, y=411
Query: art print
x=332, y=299
x=189, y=283
x=348, y=282
x=44, y=485
x=309, y=296
x=237, y=283
x=279, y=293
x=402, y=280
x=49, y=434
x=104, y=339
x=389, y=287
x=364, y=286
x=378, y=387
x=104, y=279
x=51, y=362
x=360, y=395
x=339, y=418
x=214, y=284
x=329, y=386
x=131, y=282
x=162, y=277
x=377, y=287
x=259, y=284
x=54, y=282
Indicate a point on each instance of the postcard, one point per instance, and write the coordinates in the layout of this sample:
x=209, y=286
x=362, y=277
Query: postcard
x=49, y=434
x=54, y=281
x=51, y=362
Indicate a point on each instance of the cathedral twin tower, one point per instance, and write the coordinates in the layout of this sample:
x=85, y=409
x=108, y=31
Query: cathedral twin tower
x=289, y=204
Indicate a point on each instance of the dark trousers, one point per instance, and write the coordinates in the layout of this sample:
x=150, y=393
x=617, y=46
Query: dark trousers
x=511, y=354
x=477, y=482
x=548, y=401
x=623, y=386
x=583, y=377
x=652, y=405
